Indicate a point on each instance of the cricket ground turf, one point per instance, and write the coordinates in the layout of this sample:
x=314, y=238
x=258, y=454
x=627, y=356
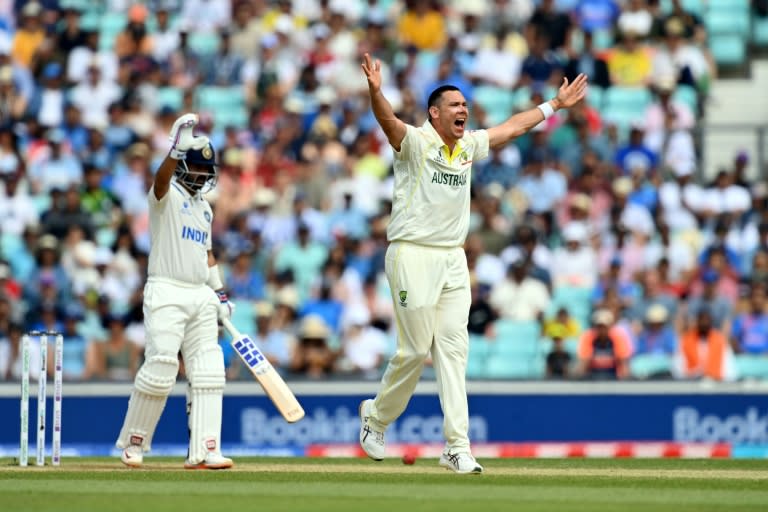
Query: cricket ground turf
x=341, y=485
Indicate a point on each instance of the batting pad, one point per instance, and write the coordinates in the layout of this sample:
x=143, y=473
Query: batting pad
x=206, y=375
x=154, y=383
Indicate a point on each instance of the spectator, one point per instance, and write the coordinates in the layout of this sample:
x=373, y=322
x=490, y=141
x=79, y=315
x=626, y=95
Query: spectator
x=704, y=352
x=656, y=335
x=519, y=297
x=604, y=350
x=363, y=347
x=590, y=62
x=547, y=18
x=276, y=345
x=750, y=329
x=541, y=67
x=562, y=325
x=559, y=360
x=630, y=62
x=30, y=34
x=313, y=357
x=117, y=357
x=421, y=26
x=719, y=307
x=575, y=263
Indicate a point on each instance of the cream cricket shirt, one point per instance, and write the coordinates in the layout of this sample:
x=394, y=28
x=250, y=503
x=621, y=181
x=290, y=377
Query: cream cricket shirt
x=180, y=230
x=430, y=204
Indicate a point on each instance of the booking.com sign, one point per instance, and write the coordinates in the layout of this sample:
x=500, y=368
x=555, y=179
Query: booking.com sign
x=748, y=428
x=342, y=425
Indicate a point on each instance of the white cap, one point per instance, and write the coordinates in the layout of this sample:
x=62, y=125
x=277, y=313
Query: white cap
x=313, y=326
x=602, y=317
x=657, y=313
x=284, y=24
x=102, y=256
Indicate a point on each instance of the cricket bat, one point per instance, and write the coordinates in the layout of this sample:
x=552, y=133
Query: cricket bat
x=274, y=385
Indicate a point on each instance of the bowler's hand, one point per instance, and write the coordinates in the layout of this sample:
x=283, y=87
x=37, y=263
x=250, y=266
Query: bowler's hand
x=570, y=94
x=372, y=70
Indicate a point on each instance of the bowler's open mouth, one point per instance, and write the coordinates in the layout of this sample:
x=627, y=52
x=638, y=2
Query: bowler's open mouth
x=460, y=122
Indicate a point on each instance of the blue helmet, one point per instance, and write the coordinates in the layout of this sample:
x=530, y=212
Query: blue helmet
x=205, y=158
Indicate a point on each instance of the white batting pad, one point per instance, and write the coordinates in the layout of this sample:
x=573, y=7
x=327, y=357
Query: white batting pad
x=206, y=375
x=153, y=384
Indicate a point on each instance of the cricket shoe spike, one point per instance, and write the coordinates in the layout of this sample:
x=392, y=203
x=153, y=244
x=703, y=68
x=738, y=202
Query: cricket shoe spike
x=213, y=460
x=133, y=455
x=462, y=463
x=371, y=439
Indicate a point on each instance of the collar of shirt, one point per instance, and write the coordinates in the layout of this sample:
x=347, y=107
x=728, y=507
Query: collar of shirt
x=438, y=141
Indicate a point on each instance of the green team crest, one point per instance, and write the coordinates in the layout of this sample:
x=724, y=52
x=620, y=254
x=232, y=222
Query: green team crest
x=403, y=296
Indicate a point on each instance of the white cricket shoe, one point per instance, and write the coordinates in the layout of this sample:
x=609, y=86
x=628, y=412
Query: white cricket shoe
x=371, y=439
x=213, y=460
x=132, y=456
x=462, y=463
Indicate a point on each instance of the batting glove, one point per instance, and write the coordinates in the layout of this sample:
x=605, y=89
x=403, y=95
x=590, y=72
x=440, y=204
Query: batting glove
x=182, y=137
x=226, y=307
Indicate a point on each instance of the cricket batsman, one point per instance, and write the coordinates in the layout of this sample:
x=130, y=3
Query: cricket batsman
x=425, y=262
x=183, y=298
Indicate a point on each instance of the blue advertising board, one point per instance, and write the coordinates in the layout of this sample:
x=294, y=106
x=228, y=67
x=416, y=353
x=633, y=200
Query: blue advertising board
x=549, y=414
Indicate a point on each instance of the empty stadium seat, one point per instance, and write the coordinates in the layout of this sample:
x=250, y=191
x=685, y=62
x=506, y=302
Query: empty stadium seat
x=728, y=49
x=170, y=97
x=727, y=21
x=623, y=105
x=507, y=368
x=496, y=101
x=204, y=43
x=751, y=366
x=643, y=366
x=478, y=352
x=760, y=31
x=688, y=95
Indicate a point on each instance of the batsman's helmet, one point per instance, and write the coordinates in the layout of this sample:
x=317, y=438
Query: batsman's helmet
x=204, y=166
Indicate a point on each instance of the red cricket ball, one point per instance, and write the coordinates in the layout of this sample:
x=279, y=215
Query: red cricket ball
x=409, y=458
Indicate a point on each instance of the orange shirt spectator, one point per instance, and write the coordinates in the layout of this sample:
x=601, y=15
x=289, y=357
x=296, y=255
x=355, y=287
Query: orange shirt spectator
x=605, y=349
x=704, y=351
x=422, y=27
x=134, y=39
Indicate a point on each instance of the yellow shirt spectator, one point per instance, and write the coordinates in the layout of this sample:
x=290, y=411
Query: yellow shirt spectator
x=422, y=27
x=25, y=44
x=630, y=64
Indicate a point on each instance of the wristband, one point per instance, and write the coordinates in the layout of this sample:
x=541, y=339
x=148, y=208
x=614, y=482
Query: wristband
x=177, y=154
x=214, y=278
x=546, y=109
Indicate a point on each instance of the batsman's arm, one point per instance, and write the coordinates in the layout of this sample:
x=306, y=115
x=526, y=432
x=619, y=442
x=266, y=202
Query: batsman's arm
x=567, y=96
x=163, y=176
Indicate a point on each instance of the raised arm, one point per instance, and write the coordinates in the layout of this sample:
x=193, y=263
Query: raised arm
x=182, y=139
x=393, y=127
x=518, y=124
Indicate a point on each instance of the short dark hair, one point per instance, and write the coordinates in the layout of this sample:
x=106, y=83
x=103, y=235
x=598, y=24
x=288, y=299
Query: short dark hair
x=435, y=95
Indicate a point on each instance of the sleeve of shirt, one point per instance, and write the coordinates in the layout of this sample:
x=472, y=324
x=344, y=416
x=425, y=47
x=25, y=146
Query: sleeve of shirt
x=156, y=204
x=410, y=145
x=209, y=239
x=480, y=141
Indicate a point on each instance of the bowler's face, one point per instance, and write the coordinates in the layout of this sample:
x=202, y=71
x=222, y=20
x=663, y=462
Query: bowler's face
x=453, y=113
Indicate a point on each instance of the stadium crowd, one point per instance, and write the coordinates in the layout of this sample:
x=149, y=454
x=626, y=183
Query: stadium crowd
x=596, y=250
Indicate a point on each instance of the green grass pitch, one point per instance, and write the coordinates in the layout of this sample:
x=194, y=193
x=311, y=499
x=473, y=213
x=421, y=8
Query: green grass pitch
x=341, y=485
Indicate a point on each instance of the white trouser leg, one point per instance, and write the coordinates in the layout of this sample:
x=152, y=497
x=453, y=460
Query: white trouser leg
x=449, y=355
x=415, y=277
x=165, y=320
x=205, y=369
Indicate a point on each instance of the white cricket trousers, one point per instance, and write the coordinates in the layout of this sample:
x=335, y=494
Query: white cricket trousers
x=431, y=293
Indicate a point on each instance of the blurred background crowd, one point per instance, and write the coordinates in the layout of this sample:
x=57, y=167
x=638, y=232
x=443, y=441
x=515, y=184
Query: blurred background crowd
x=597, y=248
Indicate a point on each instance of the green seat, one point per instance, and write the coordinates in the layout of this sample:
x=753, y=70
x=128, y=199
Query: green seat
x=727, y=21
x=728, y=49
x=688, y=95
x=204, y=43
x=478, y=353
x=244, y=316
x=507, y=368
x=728, y=5
x=644, y=366
x=495, y=101
x=231, y=116
x=215, y=97
x=760, y=31
x=170, y=97
x=595, y=96
x=751, y=366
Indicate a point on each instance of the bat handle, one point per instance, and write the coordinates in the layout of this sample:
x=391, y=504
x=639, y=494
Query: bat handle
x=230, y=327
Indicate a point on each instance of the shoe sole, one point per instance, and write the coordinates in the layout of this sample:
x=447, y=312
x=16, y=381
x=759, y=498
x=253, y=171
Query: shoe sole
x=203, y=465
x=132, y=465
x=360, y=413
